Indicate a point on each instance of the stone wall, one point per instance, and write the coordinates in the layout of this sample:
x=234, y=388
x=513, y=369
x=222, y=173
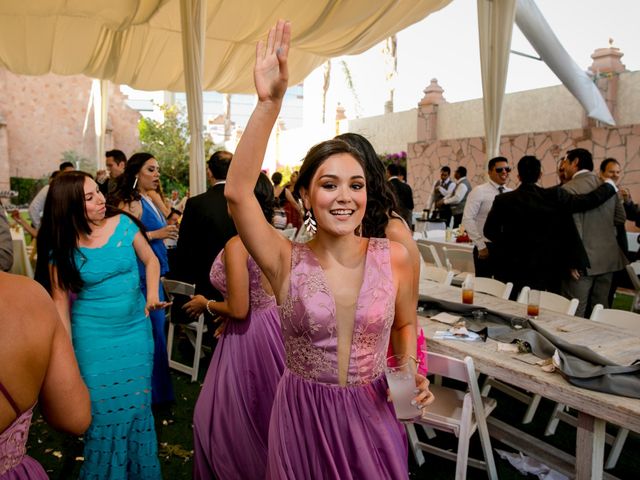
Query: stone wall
x=44, y=116
x=622, y=143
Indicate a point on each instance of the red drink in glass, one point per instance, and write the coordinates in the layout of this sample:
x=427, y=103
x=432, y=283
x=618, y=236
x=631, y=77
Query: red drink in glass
x=467, y=296
x=533, y=311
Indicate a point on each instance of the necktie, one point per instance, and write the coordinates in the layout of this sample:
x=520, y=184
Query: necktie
x=500, y=189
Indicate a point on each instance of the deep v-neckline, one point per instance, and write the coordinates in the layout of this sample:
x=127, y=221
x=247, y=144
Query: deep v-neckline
x=325, y=282
x=356, y=320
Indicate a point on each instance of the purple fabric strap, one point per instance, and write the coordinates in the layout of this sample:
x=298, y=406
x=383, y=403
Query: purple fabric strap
x=10, y=399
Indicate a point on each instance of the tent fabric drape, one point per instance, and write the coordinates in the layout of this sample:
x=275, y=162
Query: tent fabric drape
x=100, y=116
x=138, y=42
x=532, y=24
x=495, y=25
x=192, y=15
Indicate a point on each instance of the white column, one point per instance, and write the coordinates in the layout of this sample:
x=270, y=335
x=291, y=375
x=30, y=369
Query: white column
x=495, y=24
x=193, y=16
x=100, y=112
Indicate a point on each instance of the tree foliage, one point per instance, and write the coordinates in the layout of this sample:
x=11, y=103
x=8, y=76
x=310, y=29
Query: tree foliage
x=168, y=142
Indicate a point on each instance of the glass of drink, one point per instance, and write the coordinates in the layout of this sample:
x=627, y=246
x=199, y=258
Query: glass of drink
x=467, y=290
x=533, y=305
x=401, y=377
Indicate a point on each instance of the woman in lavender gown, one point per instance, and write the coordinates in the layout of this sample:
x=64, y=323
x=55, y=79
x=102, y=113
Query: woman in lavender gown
x=231, y=417
x=341, y=299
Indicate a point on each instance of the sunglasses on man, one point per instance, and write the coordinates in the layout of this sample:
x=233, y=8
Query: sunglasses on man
x=501, y=169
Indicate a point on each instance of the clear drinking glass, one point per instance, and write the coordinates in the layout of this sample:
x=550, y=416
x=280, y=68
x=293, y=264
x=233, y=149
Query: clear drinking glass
x=467, y=290
x=533, y=305
x=400, y=372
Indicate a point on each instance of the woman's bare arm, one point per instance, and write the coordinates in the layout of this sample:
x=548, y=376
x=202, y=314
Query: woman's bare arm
x=269, y=249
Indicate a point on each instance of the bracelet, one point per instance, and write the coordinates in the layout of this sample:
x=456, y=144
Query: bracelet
x=208, y=309
x=414, y=359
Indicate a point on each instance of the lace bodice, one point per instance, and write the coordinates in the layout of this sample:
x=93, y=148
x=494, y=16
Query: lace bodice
x=13, y=442
x=309, y=318
x=259, y=299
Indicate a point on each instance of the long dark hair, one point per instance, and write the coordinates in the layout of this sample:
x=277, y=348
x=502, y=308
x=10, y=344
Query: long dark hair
x=125, y=192
x=264, y=193
x=381, y=201
x=316, y=157
x=64, y=219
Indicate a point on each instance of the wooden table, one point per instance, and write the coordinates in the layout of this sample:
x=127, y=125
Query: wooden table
x=594, y=408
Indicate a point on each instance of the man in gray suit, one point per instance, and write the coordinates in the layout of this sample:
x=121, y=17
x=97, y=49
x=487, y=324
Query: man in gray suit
x=597, y=229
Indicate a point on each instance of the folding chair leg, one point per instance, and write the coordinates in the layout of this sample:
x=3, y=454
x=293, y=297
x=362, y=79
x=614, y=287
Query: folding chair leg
x=554, y=420
x=486, y=387
x=170, y=339
x=463, y=439
x=413, y=443
x=616, y=448
x=485, y=442
x=531, y=410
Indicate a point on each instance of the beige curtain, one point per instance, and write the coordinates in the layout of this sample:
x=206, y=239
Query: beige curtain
x=495, y=24
x=138, y=42
x=100, y=116
x=192, y=16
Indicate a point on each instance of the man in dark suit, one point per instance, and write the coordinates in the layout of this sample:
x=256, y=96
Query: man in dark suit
x=115, y=161
x=205, y=228
x=597, y=229
x=403, y=192
x=535, y=240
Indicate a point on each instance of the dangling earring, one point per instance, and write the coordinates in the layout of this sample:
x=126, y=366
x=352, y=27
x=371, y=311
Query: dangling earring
x=135, y=182
x=310, y=222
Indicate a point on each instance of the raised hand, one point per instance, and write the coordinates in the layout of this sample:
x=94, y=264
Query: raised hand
x=271, y=74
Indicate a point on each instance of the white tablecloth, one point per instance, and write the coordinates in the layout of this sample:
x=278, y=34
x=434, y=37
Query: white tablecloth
x=21, y=263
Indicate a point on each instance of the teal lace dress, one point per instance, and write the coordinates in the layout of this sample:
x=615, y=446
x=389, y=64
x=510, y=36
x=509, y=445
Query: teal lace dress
x=114, y=346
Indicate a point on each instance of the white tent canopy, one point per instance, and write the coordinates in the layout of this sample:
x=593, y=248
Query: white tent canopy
x=189, y=45
x=139, y=42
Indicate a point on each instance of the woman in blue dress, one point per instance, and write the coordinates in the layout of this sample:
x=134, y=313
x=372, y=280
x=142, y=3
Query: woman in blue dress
x=94, y=256
x=142, y=174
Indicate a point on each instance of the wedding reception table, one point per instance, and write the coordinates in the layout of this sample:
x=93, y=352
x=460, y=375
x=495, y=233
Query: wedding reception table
x=594, y=408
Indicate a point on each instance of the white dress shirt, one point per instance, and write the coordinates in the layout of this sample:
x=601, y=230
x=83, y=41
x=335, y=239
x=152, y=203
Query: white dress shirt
x=36, y=207
x=476, y=210
x=460, y=190
x=443, y=191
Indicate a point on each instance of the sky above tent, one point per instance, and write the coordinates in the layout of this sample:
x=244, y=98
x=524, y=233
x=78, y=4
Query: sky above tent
x=445, y=46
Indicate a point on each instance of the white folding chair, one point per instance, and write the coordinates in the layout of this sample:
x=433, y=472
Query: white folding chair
x=458, y=412
x=436, y=274
x=623, y=320
x=429, y=254
x=633, y=269
x=194, y=330
x=548, y=301
x=493, y=287
x=289, y=233
x=459, y=260
x=429, y=225
x=551, y=301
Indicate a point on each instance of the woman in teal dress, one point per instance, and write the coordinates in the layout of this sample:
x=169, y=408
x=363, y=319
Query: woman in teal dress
x=141, y=176
x=94, y=256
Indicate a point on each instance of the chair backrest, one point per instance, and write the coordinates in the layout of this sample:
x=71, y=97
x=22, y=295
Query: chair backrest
x=551, y=301
x=460, y=370
x=618, y=318
x=633, y=269
x=176, y=286
x=434, y=226
x=458, y=259
x=493, y=287
x=429, y=254
x=289, y=233
x=436, y=274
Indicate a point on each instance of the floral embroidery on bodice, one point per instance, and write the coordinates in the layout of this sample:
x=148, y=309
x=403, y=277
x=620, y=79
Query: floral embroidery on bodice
x=259, y=299
x=13, y=442
x=308, y=317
